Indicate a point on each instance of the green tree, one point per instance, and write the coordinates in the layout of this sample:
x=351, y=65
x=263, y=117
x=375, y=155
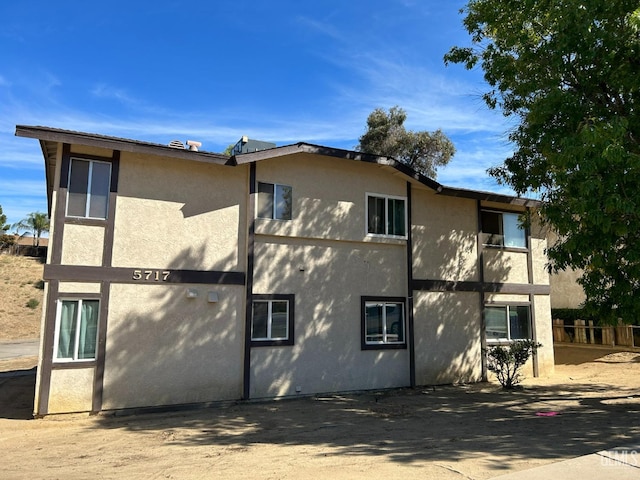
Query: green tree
x=229, y=149
x=5, y=239
x=4, y=226
x=568, y=73
x=423, y=151
x=36, y=223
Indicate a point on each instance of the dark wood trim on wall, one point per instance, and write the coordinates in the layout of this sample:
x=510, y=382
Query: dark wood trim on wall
x=107, y=252
x=98, y=378
x=80, y=273
x=61, y=205
x=251, y=234
x=410, y=321
x=532, y=308
x=47, y=349
x=483, y=287
x=483, y=323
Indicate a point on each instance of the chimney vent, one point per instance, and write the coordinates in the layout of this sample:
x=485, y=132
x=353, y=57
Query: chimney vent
x=193, y=145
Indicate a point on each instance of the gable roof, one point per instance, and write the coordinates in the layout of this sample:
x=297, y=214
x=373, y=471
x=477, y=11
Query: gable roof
x=50, y=137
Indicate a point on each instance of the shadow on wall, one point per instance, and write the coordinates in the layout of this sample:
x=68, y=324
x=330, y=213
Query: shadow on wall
x=167, y=347
x=328, y=279
x=449, y=324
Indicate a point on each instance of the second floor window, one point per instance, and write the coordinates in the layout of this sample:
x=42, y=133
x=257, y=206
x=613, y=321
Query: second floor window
x=274, y=201
x=502, y=229
x=386, y=216
x=89, y=182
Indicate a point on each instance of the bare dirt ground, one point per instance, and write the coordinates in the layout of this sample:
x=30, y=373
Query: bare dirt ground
x=591, y=403
x=20, y=282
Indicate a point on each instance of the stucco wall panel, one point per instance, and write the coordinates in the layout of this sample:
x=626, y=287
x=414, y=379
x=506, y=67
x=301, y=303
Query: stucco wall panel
x=444, y=237
x=184, y=215
x=76, y=287
x=334, y=268
x=538, y=250
x=447, y=335
x=502, y=266
x=326, y=355
x=71, y=390
x=83, y=245
x=544, y=334
x=329, y=195
x=164, y=348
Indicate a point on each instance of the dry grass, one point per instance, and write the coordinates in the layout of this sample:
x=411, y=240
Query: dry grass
x=20, y=284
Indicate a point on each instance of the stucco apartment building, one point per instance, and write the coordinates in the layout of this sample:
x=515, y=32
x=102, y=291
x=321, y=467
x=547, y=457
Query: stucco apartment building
x=177, y=276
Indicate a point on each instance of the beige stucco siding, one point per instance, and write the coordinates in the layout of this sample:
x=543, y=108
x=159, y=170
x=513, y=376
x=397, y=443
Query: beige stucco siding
x=444, y=237
x=566, y=292
x=329, y=195
x=544, y=334
x=181, y=215
x=164, y=348
x=447, y=337
x=538, y=250
x=71, y=390
x=77, y=287
x=501, y=266
x=83, y=245
x=328, y=280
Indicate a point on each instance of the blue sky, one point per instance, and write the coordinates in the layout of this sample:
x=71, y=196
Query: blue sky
x=279, y=71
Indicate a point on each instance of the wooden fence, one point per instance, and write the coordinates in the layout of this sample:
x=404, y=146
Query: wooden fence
x=585, y=332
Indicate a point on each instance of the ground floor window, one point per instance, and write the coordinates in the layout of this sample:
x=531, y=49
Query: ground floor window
x=272, y=320
x=383, y=322
x=76, y=329
x=507, y=322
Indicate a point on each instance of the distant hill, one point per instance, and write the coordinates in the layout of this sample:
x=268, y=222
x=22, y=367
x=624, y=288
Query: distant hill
x=20, y=284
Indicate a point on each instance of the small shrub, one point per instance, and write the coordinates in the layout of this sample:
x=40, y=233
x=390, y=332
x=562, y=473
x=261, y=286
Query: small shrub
x=39, y=284
x=506, y=362
x=33, y=303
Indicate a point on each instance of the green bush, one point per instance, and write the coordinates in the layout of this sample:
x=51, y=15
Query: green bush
x=39, y=284
x=33, y=303
x=506, y=361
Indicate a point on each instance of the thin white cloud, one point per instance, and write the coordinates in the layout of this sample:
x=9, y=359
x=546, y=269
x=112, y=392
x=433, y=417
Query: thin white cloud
x=24, y=188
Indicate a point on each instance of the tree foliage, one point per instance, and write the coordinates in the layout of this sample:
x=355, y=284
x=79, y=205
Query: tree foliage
x=423, y=151
x=568, y=72
x=5, y=239
x=36, y=223
x=4, y=226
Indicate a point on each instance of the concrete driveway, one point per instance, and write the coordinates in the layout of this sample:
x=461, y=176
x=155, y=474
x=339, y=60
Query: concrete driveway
x=10, y=349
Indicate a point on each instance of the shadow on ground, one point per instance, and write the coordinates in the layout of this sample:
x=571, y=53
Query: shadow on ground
x=410, y=425
x=16, y=394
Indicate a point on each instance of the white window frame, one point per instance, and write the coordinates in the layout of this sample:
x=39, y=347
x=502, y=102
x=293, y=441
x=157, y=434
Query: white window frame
x=385, y=342
x=269, y=340
x=78, y=320
x=275, y=204
x=502, y=233
x=87, y=207
x=508, y=338
x=386, y=219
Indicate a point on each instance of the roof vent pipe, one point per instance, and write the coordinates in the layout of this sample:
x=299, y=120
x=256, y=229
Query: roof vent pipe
x=193, y=145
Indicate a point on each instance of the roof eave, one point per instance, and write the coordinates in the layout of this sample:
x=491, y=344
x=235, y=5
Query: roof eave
x=115, y=143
